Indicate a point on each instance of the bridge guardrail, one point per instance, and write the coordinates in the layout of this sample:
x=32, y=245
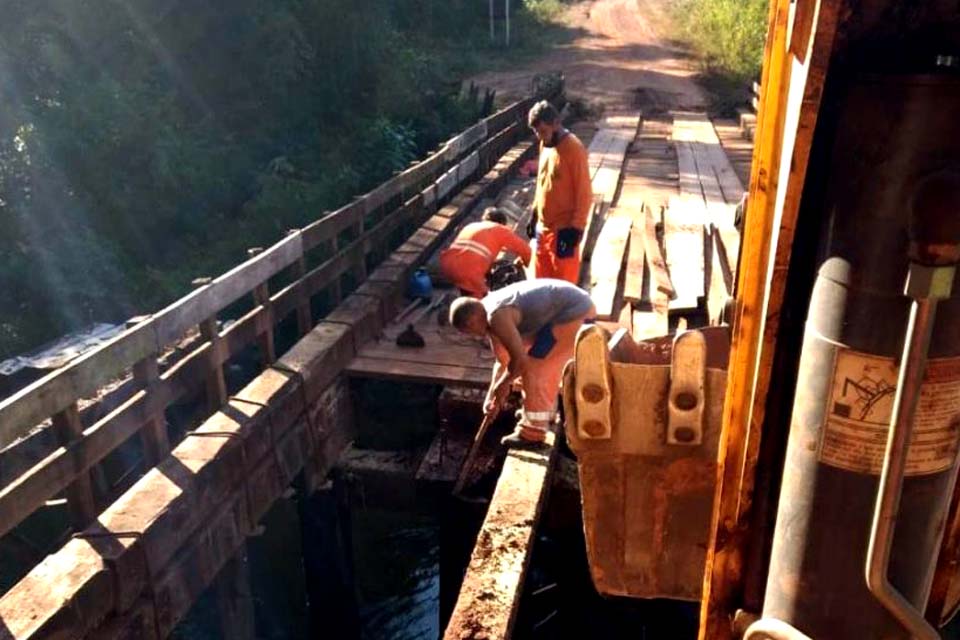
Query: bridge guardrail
x=352, y=239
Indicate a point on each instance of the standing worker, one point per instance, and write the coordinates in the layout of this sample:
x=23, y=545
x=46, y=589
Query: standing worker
x=532, y=326
x=468, y=259
x=563, y=198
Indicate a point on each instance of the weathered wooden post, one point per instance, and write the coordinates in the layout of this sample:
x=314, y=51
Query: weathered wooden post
x=304, y=316
x=80, y=500
x=261, y=297
x=216, y=384
x=153, y=434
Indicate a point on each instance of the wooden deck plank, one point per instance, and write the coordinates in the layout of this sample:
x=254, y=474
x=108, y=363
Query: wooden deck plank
x=720, y=278
x=683, y=240
x=737, y=148
x=707, y=169
x=418, y=372
x=607, y=263
x=633, y=275
x=660, y=276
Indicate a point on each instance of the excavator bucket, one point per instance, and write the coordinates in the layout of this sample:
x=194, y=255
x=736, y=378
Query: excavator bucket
x=644, y=421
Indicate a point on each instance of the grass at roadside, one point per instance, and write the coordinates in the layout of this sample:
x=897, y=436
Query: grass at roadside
x=727, y=38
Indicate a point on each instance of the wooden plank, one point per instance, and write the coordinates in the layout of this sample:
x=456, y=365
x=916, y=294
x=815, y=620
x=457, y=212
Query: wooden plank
x=594, y=222
x=490, y=594
x=696, y=136
x=173, y=321
x=687, y=171
x=730, y=183
x=651, y=321
x=633, y=276
x=468, y=167
x=446, y=183
x=706, y=172
x=660, y=276
x=81, y=378
x=607, y=263
x=719, y=278
x=459, y=358
x=683, y=241
x=598, y=150
x=418, y=372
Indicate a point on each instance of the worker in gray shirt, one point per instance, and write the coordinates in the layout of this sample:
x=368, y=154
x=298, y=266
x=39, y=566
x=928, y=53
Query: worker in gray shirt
x=532, y=327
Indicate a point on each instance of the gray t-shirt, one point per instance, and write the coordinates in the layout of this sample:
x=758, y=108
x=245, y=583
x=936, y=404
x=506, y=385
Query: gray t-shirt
x=541, y=302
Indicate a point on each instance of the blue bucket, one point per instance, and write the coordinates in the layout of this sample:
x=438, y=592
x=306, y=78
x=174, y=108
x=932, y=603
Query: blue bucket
x=420, y=285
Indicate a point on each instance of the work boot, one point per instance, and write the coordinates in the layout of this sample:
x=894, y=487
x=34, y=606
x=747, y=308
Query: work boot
x=525, y=434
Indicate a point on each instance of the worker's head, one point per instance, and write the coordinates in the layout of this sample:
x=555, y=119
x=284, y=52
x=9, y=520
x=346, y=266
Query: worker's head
x=544, y=119
x=469, y=316
x=492, y=214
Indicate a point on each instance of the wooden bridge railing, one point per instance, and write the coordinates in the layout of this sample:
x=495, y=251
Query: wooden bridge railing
x=352, y=239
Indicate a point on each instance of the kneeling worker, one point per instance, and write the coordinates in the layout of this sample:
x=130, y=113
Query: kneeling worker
x=468, y=259
x=532, y=327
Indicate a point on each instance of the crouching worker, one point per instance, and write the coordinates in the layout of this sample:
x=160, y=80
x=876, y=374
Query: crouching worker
x=468, y=259
x=532, y=327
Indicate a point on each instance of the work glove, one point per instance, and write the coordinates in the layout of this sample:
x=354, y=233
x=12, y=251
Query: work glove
x=532, y=227
x=567, y=240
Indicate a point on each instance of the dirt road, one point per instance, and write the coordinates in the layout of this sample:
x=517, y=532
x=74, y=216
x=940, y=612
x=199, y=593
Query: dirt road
x=616, y=58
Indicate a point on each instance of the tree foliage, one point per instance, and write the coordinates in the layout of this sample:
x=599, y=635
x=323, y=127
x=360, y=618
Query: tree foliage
x=146, y=142
x=728, y=34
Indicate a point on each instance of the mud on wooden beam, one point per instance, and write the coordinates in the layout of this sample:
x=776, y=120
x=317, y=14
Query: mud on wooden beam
x=490, y=592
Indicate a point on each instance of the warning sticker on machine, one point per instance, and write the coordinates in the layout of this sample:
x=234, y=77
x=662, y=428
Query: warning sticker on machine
x=861, y=406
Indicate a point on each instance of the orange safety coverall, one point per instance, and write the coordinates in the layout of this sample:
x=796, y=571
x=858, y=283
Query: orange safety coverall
x=563, y=200
x=468, y=259
x=541, y=382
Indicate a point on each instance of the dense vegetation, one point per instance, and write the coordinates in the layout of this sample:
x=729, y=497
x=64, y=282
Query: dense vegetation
x=728, y=37
x=146, y=142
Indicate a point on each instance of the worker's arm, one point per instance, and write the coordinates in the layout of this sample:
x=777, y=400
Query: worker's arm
x=503, y=330
x=499, y=382
x=515, y=244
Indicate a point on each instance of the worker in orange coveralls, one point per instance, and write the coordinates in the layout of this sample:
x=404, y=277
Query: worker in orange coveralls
x=468, y=259
x=532, y=327
x=563, y=198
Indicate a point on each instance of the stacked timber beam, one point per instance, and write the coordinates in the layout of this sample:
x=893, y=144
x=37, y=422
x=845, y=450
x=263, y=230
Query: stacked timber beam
x=666, y=251
x=137, y=570
x=703, y=215
x=628, y=256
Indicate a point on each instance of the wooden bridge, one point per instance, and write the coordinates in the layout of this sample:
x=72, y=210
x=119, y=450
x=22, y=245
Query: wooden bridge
x=147, y=538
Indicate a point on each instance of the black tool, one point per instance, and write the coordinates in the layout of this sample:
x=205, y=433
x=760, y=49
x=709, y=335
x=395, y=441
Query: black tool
x=410, y=337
